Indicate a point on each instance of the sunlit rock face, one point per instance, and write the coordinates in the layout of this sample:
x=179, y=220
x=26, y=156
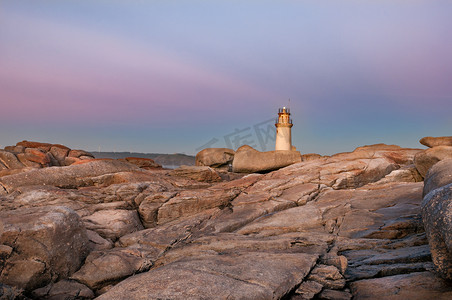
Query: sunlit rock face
x=215, y=157
x=360, y=224
x=436, y=141
x=426, y=159
x=249, y=160
x=39, y=155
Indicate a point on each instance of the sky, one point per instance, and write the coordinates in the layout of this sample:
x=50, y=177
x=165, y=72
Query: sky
x=176, y=76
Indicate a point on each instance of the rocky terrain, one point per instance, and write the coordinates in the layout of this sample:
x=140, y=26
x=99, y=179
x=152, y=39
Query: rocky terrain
x=374, y=223
x=27, y=155
x=176, y=159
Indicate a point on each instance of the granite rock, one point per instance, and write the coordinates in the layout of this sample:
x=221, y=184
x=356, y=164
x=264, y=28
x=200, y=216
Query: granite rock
x=215, y=157
x=439, y=175
x=113, y=223
x=426, y=159
x=436, y=141
x=437, y=217
x=249, y=160
x=49, y=243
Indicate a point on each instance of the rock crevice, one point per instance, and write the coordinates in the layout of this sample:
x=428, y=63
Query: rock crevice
x=323, y=228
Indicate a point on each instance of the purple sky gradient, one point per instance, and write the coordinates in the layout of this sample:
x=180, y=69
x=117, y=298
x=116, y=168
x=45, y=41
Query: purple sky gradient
x=169, y=76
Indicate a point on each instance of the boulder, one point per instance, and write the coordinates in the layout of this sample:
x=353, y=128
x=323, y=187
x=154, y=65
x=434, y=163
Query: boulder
x=426, y=159
x=437, y=217
x=97, y=242
x=144, y=163
x=38, y=156
x=5, y=251
x=328, y=276
x=286, y=221
x=439, y=175
x=13, y=149
x=79, y=153
x=52, y=159
x=198, y=173
x=59, y=152
x=339, y=261
x=249, y=160
x=64, y=289
x=307, y=290
x=10, y=160
x=42, y=146
x=69, y=161
x=436, y=141
x=106, y=267
x=65, y=177
x=49, y=243
x=150, y=205
x=215, y=157
x=114, y=223
x=23, y=158
x=35, y=154
x=356, y=215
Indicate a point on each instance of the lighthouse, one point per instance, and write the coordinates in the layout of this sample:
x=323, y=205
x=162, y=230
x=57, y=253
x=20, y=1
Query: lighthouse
x=283, y=130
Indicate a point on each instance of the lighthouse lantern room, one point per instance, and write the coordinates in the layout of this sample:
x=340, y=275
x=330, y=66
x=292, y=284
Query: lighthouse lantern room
x=283, y=130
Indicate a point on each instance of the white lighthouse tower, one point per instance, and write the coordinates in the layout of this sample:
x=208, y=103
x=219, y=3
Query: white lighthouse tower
x=283, y=130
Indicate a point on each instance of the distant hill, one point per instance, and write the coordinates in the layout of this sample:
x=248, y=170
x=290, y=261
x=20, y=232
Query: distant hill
x=166, y=160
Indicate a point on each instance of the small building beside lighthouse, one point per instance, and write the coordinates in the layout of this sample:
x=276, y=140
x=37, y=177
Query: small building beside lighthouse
x=283, y=130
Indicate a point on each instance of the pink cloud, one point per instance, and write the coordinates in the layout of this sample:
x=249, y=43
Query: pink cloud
x=92, y=69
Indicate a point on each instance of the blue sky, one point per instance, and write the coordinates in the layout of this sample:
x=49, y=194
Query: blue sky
x=170, y=76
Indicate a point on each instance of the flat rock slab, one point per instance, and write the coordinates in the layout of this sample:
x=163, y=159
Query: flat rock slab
x=251, y=275
x=401, y=255
x=249, y=160
x=372, y=211
x=191, y=202
x=168, y=234
x=421, y=285
x=65, y=177
x=198, y=173
x=184, y=284
x=230, y=243
x=431, y=142
x=302, y=218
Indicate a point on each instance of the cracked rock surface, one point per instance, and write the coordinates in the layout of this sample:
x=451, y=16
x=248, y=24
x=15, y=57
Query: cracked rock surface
x=340, y=227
